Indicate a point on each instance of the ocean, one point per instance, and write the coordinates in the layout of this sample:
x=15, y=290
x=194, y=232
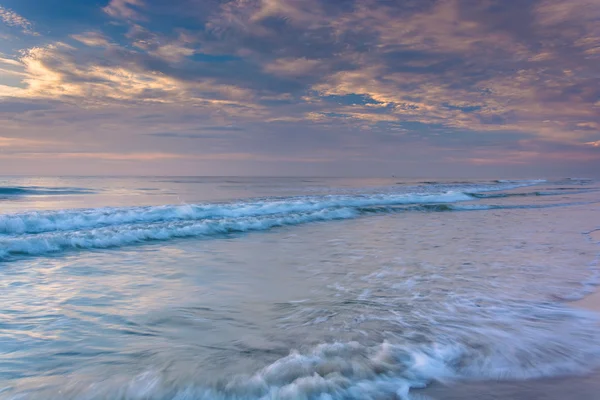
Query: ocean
x=297, y=288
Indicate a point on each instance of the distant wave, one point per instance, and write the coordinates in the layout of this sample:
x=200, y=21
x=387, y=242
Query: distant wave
x=483, y=207
x=559, y=191
x=6, y=191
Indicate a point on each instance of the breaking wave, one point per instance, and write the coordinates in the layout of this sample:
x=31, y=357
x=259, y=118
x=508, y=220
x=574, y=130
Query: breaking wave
x=526, y=341
x=36, y=233
x=67, y=220
x=44, y=232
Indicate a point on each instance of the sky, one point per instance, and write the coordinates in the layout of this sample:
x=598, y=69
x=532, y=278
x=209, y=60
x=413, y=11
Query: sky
x=415, y=88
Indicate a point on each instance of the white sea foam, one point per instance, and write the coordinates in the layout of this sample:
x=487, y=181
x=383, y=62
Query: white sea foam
x=353, y=371
x=43, y=232
x=121, y=235
x=66, y=220
x=76, y=219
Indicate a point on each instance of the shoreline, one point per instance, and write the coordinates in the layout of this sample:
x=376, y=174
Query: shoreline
x=580, y=387
x=590, y=302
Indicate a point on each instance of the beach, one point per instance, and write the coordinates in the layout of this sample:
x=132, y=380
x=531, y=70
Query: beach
x=586, y=387
x=590, y=302
x=286, y=288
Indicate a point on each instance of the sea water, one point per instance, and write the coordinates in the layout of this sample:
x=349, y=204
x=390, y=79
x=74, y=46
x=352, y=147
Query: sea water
x=292, y=288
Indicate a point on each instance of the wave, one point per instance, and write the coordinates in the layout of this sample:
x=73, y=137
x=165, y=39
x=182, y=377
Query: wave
x=556, y=192
x=122, y=235
x=7, y=191
x=521, y=181
x=527, y=341
x=393, y=370
x=75, y=219
x=66, y=220
x=579, y=179
x=39, y=233
x=574, y=181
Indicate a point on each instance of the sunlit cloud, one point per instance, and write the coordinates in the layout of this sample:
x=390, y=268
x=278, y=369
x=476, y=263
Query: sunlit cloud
x=57, y=72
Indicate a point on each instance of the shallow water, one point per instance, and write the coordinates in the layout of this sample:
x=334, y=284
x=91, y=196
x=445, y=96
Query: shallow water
x=239, y=288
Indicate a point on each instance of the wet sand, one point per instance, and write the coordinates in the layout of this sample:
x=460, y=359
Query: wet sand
x=562, y=388
x=590, y=302
x=567, y=388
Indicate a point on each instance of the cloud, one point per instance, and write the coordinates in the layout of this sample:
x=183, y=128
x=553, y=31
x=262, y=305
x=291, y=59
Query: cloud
x=121, y=156
x=172, y=52
x=94, y=39
x=429, y=71
x=61, y=72
x=19, y=106
x=214, y=132
x=13, y=143
x=11, y=18
x=125, y=9
x=531, y=152
x=177, y=135
x=165, y=48
x=6, y=142
x=135, y=157
x=442, y=62
x=154, y=157
x=222, y=128
x=292, y=67
x=10, y=68
x=9, y=61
